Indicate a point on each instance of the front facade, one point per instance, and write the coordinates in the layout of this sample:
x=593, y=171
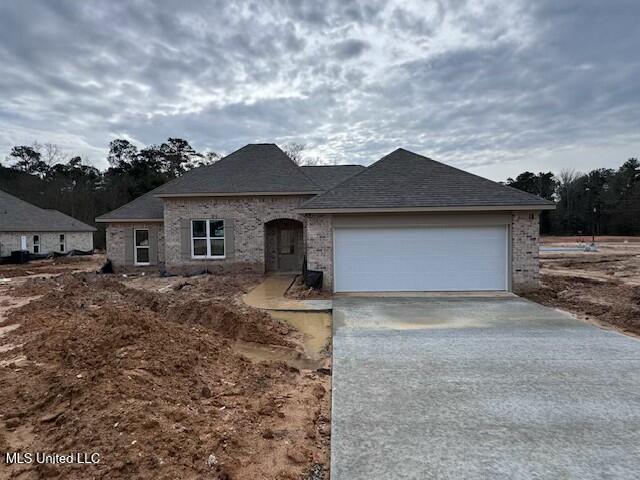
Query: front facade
x=406, y=223
x=25, y=227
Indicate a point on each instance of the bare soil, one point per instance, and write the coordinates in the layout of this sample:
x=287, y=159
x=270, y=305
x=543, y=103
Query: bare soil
x=602, y=287
x=149, y=373
x=550, y=239
x=53, y=266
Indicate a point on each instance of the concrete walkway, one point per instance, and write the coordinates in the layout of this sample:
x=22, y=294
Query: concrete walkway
x=269, y=295
x=480, y=388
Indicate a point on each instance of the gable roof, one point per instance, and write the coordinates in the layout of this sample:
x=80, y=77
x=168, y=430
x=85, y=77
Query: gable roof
x=16, y=215
x=146, y=207
x=328, y=176
x=257, y=168
x=407, y=181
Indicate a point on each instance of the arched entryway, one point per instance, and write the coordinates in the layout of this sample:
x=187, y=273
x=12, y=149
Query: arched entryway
x=283, y=245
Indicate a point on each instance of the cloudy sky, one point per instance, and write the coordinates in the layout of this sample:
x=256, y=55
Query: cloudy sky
x=496, y=87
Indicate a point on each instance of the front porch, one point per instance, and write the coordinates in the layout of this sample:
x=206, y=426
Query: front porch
x=284, y=245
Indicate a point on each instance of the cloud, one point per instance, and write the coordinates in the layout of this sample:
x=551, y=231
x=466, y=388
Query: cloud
x=494, y=86
x=349, y=48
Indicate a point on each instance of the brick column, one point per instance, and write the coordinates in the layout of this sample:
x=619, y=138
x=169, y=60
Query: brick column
x=320, y=247
x=525, y=234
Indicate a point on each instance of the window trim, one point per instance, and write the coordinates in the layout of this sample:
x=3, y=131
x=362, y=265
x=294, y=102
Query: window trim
x=62, y=242
x=208, y=238
x=136, y=247
x=36, y=243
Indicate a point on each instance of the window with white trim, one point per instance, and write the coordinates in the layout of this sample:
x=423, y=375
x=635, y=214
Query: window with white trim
x=36, y=244
x=63, y=243
x=207, y=238
x=141, y=246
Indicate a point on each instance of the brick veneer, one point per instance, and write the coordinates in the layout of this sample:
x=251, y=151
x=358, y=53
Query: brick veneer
x=249, y=215
x=116, y=241
x=525, y=258
x=320, y=247
x=49, y=241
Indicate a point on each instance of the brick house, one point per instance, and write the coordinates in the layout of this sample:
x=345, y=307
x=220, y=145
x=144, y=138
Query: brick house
x=25, y=227
x=405, y=223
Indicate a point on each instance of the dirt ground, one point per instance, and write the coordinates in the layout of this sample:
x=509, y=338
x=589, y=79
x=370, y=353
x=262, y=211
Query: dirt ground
x=152, y=373
x=602, y=287
x=53, y=266
x=550, y=239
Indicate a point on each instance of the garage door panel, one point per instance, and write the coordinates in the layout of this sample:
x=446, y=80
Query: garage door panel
x=420, y=259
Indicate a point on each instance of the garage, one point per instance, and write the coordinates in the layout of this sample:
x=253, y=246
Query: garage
x=425, y=258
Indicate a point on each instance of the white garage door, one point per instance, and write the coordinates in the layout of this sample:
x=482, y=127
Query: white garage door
x=420, y=259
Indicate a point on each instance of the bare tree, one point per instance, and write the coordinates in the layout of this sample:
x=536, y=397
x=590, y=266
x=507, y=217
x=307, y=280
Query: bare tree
x=312, y=162
x=569, y=176
x=52, y=154
x=294, y=152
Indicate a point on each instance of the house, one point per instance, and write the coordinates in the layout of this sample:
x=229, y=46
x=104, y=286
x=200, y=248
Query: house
x=24, y=226
x=405, y=223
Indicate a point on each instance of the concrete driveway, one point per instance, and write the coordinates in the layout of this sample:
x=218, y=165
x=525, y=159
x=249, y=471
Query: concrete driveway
x=480, y=388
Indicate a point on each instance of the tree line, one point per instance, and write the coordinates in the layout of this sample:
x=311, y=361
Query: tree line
x=604, y=201
x=42, y=175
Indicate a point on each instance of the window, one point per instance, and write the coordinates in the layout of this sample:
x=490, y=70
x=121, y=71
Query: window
x=287, y=242
x=63, y=245
x=207, y=238
x=36, y=244
x=141, y=248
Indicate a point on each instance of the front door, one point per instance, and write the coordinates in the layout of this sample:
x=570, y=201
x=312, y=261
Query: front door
x=290, y=247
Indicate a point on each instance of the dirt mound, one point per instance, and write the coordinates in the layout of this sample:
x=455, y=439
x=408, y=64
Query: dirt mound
x=251, y=325
x=153, y=384
x=89, y=291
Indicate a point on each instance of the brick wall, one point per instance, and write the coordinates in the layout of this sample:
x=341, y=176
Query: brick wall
x=525, y=233
x=320, y=247
x=249, y=214
x=116, y=241
x=49, y=241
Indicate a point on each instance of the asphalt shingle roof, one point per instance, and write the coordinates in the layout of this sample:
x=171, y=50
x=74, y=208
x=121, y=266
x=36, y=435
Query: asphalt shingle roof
x=328, y=176
x=145, y=207
x=255, y=168
x=401, y=179
x=405, y=179
x=150, y=207
x=16, y=215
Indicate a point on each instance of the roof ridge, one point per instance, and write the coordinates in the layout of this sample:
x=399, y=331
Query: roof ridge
x=326, y=192
x=340, y=165
x=521, y=192
x=480, y=190
x=352, y=177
